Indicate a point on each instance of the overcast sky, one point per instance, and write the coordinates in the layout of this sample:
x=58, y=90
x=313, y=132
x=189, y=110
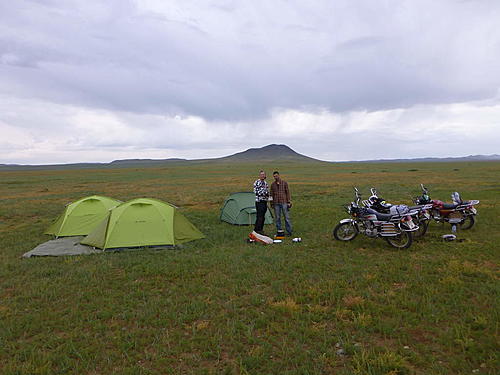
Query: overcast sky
x=85, y=80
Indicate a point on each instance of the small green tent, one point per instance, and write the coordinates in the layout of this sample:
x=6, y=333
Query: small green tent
x=81, y=217
x=142, y=222
x=239, y=209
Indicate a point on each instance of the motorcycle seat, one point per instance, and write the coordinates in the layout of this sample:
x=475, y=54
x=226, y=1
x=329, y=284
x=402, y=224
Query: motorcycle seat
x=380, y=216
x=384, y=217
x=450, y=206
x=416, y=207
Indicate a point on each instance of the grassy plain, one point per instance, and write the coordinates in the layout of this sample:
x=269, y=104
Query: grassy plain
x=221, y=306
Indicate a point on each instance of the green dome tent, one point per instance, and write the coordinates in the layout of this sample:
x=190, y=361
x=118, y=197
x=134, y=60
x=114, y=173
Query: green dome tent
x=142, y=222
x=239, y=209
x=81, y=217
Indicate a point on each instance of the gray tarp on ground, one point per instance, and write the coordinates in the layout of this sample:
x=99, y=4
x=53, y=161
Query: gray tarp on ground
x=60, y=247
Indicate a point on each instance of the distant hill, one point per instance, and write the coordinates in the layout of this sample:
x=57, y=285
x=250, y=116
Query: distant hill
x=144, y=161
x=432, y=160
x=270, y=152
x=16, y=167
x=273, y=152
x=130, y=163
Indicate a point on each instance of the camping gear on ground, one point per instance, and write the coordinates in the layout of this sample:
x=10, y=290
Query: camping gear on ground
x=82, y=216
x=280, y=235
x=449, y=237
x=142, y=222
x=297, y=239
x=452, y=237
x=260, y=238
x=61, y=247
x=239, y=209
x=395, y=229
x=277, y=241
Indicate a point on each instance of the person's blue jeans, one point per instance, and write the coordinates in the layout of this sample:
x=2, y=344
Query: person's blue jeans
x=280, y=208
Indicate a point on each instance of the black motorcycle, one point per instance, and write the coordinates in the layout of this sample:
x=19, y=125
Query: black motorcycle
x=396, y=229
x=423, y=211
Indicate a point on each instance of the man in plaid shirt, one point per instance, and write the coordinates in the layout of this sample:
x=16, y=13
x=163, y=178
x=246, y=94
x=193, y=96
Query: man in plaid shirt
x=281, y=201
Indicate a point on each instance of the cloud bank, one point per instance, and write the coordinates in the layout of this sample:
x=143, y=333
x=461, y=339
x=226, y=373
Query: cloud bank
x=97, y=81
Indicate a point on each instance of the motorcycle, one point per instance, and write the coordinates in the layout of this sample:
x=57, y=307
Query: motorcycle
x=396, y=229
x=461, y=213
x=423, y=211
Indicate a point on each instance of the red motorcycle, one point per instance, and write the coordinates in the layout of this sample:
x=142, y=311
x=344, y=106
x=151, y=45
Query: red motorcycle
x=461, y=213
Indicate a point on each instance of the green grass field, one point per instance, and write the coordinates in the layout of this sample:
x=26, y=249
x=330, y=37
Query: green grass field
x=221, y=306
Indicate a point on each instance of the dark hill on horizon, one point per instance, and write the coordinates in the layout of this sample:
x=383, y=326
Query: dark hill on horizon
x=272, y=152
x=493, y=157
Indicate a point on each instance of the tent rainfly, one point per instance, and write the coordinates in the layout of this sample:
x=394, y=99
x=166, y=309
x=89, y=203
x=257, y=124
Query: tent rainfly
x=142, y=222
x=239, y=209
x=81, y=217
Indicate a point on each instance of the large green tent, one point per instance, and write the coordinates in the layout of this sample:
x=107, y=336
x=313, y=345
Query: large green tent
x=81, y=217
x=239, y=209
x=142, y=222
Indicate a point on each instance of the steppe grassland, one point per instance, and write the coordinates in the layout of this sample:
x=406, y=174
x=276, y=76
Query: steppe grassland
x=220, y=305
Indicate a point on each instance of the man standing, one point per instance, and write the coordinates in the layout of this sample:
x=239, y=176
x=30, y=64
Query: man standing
x=282, y=202
x=261, y=190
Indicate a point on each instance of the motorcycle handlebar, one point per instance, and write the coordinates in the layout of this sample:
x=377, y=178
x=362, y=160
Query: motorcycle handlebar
x=356, y=192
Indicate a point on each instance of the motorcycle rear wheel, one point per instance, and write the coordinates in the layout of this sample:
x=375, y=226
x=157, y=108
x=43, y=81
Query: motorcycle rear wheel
x=402, y=241
x=345, y=232
x=467, y=222
x=422, y=229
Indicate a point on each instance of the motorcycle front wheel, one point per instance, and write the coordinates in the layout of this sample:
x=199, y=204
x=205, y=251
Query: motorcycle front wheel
x=467, y=222
x=345, y=232
x=422, y=229
x=402, y=241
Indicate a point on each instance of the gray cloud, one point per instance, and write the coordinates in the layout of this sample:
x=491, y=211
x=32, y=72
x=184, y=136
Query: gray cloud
x=120, y=78
x=40, y=132
x=228, y=60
